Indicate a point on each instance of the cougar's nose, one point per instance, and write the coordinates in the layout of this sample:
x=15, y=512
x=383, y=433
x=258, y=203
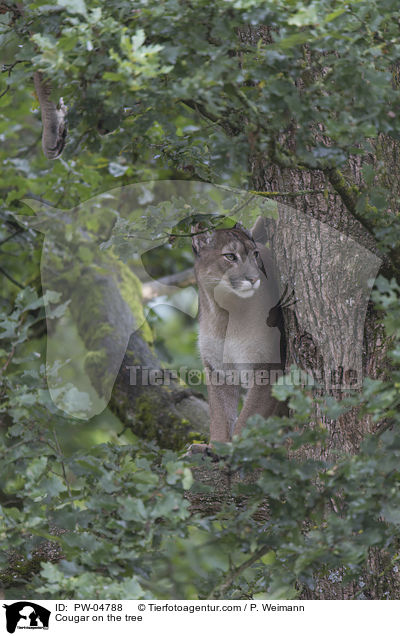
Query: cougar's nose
x=252, y=279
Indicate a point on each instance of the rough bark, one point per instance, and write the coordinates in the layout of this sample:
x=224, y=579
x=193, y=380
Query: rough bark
x=346, y=432
x=171, y=415
x=53, y=119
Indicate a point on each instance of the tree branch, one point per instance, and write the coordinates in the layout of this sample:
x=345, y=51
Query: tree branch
x=349, y=195
x=237, y=571
x=11, y=236
x=167, y=285
x=10, y=278
x=299, y=193
x=231, y=129
x=53, y=119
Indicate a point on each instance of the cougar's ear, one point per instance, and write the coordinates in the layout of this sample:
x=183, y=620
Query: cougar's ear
x=259, y=230
x=200, y=237
x=241, y=228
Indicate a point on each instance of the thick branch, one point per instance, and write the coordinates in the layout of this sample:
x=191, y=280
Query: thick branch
x=348, y=193
x=53, y=119
x=167, y=285
x=105, y=305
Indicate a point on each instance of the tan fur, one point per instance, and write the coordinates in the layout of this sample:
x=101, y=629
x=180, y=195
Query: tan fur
x=234, y=301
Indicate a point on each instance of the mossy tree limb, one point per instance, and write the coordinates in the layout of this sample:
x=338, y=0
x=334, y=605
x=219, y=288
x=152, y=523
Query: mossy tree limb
x=106, y=306
x=167, y=413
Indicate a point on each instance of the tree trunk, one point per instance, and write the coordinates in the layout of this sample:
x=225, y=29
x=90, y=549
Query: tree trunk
x=327, y=257
x=306, y=239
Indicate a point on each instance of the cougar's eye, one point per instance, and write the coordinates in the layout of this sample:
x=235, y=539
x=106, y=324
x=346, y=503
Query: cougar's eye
x=230, y=257
x=256, y=253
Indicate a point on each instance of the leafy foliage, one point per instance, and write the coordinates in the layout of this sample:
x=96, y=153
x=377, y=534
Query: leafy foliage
x=128, y=530
x=126, y=525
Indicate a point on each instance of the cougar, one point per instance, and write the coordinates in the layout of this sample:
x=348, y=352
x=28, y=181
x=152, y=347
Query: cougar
x=240, y=325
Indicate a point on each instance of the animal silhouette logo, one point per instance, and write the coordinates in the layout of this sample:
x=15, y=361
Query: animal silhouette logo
x=80, y=255
x=26, y=615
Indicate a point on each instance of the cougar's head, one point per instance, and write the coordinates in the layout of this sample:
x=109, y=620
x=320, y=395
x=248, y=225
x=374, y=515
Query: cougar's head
x=229, y=259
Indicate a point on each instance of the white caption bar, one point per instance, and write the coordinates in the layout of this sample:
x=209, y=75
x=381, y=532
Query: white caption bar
x=193, y=617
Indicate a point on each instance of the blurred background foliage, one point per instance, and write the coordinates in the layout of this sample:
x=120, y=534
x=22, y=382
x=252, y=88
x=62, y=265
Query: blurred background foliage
x=187, y=91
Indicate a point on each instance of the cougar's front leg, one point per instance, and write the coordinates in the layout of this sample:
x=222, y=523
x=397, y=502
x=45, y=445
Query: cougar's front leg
x=259, y=400
x=223, y=401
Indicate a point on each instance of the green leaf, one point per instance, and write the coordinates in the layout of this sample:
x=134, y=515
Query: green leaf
x=73, y=6
x=53, y=485
x=133, y=509
x=306, y=15
x=269, y=558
